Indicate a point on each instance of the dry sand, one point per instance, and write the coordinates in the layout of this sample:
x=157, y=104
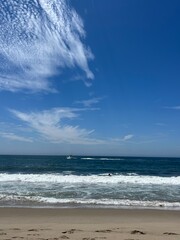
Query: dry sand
x=89, y=224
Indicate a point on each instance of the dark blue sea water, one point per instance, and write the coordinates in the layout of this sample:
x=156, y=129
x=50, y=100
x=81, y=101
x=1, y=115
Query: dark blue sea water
x=119, y=182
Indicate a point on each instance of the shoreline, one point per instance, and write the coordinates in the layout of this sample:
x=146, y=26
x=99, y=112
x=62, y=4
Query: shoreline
x=128, y=208
x=95, y=207
x=89, y=224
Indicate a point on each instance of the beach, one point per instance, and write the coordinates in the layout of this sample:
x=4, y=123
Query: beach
x=89, y=224
x=50, y=198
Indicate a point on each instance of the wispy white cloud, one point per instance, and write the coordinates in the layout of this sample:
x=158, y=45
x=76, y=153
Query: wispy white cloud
x=174, y=107
x=122, y=139
x=14, y=137
x=55, y=126
x=39, y=38
x=49, y=125
x=89, y=102
x=128, y=137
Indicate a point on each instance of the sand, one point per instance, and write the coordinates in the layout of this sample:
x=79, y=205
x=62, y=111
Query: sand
x=89, y=224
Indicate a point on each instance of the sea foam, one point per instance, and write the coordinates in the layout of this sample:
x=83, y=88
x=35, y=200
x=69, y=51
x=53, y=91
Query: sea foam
x=90, y=179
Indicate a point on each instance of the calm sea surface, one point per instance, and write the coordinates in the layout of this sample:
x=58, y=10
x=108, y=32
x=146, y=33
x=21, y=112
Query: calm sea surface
x=119, y=182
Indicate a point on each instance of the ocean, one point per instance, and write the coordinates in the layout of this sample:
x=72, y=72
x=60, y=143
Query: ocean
x=89, y=181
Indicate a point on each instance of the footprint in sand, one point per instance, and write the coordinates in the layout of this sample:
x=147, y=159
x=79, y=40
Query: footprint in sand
x=18, y=237
x=72, y=231
x=100, y=237
x=89, y=239
x=33, y=230
x=137, y=232
x=170, y=233
x=35, y=234
x=94, y=238
x=130, y=239
x=64, y=237
x=104, y=231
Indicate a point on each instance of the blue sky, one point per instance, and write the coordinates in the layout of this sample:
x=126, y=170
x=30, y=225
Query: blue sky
x=90, y=77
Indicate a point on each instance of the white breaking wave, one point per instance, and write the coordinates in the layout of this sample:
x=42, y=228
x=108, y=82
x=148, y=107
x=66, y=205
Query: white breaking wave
x=81, y=201
x=116, y=202
x=90, y=179
x=112, y=159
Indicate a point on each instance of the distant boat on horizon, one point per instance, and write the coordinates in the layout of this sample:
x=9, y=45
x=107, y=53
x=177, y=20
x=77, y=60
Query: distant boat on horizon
x=69, y=157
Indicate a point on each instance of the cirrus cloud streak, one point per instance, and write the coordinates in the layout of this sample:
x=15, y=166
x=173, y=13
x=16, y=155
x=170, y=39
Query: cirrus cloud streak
x=38, y=39
x=53, y=126
x=14, y=137
x=48, y=124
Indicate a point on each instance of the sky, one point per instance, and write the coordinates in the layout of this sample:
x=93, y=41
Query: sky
x=90, y=77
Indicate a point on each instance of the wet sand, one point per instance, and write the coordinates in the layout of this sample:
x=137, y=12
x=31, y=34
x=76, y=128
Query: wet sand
x=89, y=224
